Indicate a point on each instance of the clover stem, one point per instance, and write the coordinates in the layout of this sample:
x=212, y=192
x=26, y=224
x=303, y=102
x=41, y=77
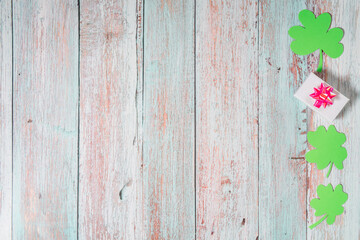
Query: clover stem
x=319, y=69
x=327, y=175
x=318, y=222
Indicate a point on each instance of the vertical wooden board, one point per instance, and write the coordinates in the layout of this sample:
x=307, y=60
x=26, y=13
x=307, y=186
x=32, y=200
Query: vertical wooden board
x=282, y=120
x=45, y=119
x=168, y=171
x=110, y=152
x=5, y=119
x=139, y=225
x=227, y=119
x=342, y=73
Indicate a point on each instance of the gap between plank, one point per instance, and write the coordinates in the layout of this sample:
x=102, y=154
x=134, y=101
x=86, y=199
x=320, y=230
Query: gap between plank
x=195, y=155
x=258, y=110
x=12, y=116
x=78, y=141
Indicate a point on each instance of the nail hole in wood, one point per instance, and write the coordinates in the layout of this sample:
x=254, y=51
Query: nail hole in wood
x=122, y=193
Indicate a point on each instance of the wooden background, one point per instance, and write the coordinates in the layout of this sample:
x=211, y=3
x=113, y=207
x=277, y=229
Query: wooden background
x=171, y=119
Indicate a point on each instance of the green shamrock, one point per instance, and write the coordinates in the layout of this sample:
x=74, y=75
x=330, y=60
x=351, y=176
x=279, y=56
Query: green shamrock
x=328, y=149
x=329, y=203
x=316, y=35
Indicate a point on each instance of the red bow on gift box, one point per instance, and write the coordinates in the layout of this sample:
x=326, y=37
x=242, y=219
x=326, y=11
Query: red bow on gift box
x=323, y=96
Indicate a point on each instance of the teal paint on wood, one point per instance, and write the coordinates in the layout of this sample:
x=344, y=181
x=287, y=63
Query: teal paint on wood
x=168, y=113
x=282, y=121
x=45, y=119
x=227, y=119
x=5, y=120
x=137, y=138
x=110, y=187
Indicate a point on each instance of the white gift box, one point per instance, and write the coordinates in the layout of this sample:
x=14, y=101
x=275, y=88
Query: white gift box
x=307, y=88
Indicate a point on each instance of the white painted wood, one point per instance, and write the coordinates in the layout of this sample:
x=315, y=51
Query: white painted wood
x=5, y=119
x=282, y=125
x=110, y=190
x=227, y=119
x=169, y=124
x=45, y=119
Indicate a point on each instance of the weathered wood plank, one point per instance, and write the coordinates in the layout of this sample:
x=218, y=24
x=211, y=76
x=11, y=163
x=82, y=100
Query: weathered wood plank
x=45, y=119
x=110, y=136
x=342, y=73
x=5, y=119
x=138, y=171
x=282, y=120
x=168, y=171
x=227, y=119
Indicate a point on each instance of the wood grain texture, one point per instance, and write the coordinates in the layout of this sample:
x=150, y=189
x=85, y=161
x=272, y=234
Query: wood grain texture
x=342, y=73
x=168, y=171
x=227, y=119
x=5, y=120
x=45, y=119
x=110, y=190
x=188, y=125
x=282, y=120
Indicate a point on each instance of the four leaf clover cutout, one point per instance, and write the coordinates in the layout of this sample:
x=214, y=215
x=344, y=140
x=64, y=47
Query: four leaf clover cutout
x=314, y=35
x=328, y=151
x=329, y=204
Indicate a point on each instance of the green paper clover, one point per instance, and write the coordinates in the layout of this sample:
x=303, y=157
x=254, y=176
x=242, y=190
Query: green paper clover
x=329, y=203
x=314, y=35
x=328, y=148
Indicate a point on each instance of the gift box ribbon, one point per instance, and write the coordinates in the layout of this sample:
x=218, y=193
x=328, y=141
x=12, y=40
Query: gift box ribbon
x=323, y=96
